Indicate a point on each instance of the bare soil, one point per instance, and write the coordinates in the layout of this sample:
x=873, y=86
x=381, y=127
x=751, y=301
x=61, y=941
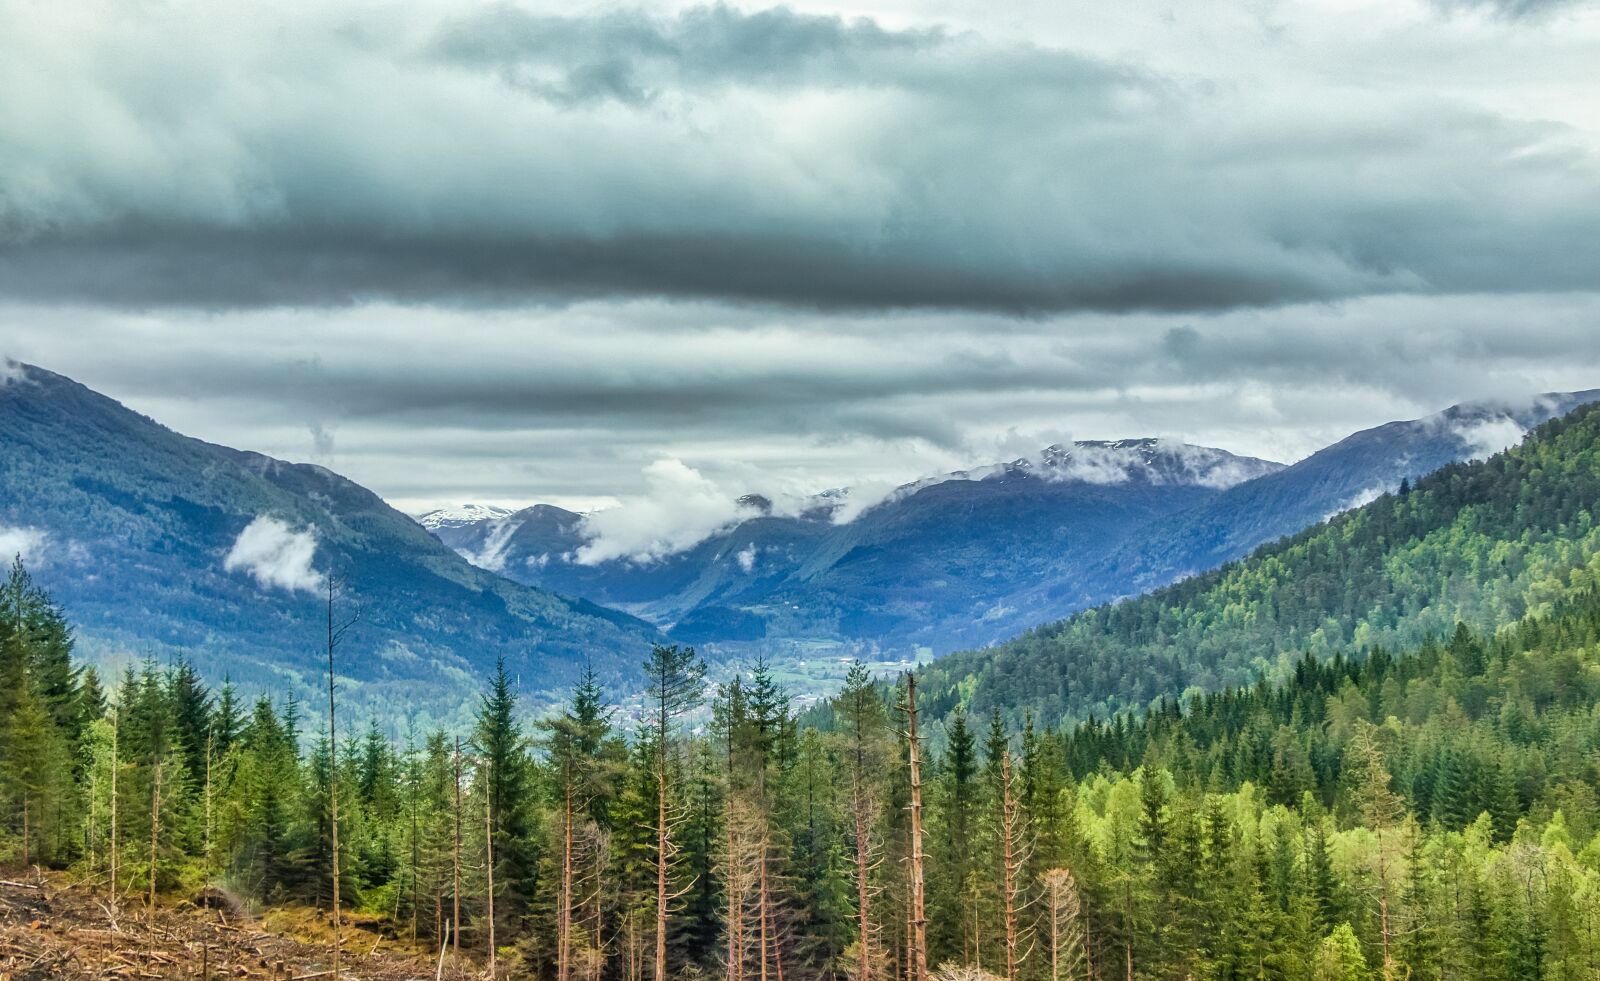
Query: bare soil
x=51, y=927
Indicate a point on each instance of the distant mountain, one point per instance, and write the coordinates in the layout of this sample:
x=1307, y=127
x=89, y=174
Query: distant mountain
x=1351, y=472
x=973, y=558
x=1485, y=543
x=932, y=566
x=163, y=545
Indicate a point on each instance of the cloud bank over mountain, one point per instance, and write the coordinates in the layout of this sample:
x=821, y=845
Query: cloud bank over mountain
x=509, y=252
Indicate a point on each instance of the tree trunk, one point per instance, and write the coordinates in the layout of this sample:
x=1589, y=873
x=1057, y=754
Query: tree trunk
x=155, y=833
x=116, y=764
x=918, y=955
x=455, y=860
x=1011, y=862
x=863, y=828
x=663, y=857
x=333, y=783
x=488, y=858
x=564, y=913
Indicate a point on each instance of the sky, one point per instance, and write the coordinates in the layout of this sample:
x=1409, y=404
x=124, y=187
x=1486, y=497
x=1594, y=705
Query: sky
x=661, y=255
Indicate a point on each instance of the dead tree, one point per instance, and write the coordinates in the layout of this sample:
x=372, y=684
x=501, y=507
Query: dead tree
x=336, y=632
x=1066, y=931
x=155, y=832
x=455, y=861
x=676, y=676
x=116, y=764
x=917, y=922
x=488, y=849
x=1014, y=854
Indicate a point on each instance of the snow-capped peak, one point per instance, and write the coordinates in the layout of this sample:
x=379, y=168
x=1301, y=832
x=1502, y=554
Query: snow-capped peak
x=460, y=517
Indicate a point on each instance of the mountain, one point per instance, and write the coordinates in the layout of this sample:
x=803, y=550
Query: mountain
x=1483, y=543
x=932, y=566
x=1351, y=472
x=974, y=558
x=164, y=545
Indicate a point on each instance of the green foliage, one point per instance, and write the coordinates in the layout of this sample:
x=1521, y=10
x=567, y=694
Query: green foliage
x=1414, y=809
x=1482, y=544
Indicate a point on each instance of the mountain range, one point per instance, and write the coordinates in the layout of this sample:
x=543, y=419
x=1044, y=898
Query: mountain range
x=166, y=546
x=969, y=559
x=1481, y=544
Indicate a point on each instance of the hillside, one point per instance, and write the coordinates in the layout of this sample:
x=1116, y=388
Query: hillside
x=133, y=525
x=973, y=559
x=934, y=565
x=1484, y=543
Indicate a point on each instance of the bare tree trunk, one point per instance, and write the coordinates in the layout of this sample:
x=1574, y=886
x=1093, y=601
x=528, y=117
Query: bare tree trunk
x=155, y=833
x=1012, y=858
x=918, y=954
x=564, y=914
x=1065, y=905
x=209, y=745
x=663, y=856
x=455, y=861
x=333, y=780
x=488, y=847
x=861, y=808
x=595, y=940
x=116, y=764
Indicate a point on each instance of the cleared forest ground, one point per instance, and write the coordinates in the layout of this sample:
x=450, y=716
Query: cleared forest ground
x=51, y=927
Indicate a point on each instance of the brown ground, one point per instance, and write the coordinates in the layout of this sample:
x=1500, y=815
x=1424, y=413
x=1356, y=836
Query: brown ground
x=53, y=928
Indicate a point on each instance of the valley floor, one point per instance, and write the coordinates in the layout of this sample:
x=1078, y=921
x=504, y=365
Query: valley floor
x=52, y=927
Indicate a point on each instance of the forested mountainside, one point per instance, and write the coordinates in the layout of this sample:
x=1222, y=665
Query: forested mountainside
x=1351, y=472
x=973, y=559
x=1429, y=813
x=144, y=533
x=932, y=566
x=1482, y=542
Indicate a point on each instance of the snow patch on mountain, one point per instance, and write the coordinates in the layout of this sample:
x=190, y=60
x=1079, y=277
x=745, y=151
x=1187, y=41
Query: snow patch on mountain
x=463, y=515
x=491, y=555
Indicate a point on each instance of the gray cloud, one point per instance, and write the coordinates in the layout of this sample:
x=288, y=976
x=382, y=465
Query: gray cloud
x=506, y=157
x=437, y=407
x=632, y=57
x=1510, y=9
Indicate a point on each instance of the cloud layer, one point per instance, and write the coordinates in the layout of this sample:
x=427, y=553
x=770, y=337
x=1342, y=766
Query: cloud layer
x=228, y=156
x=276, y=555
x=515, y=252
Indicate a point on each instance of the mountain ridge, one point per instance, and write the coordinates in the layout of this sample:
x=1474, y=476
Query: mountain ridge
x=131, y=515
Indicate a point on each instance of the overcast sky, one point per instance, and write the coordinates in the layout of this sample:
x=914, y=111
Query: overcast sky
x=508, y=253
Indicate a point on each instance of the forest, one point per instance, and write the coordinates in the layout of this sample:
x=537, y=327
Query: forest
x=1483, y=542
x=1423, y=813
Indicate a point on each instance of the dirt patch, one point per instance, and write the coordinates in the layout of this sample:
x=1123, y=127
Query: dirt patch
x=53, y=928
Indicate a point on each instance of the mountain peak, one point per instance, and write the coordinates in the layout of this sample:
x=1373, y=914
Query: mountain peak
x=1146, y=459
x=463, y=514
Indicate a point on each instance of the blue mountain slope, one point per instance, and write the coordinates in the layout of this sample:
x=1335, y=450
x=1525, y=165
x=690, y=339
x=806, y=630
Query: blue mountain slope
x=132, y=524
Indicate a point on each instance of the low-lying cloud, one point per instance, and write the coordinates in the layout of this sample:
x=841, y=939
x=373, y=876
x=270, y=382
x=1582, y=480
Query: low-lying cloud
x=27, y=544
x=680, y=508
x=276, y=555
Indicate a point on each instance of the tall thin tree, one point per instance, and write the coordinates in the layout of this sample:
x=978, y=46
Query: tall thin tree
x=336, y=632
x=676, y=677
x=917, y=920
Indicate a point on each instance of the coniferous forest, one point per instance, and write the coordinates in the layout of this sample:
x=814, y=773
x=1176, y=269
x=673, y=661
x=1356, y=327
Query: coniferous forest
x=1430, y=812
